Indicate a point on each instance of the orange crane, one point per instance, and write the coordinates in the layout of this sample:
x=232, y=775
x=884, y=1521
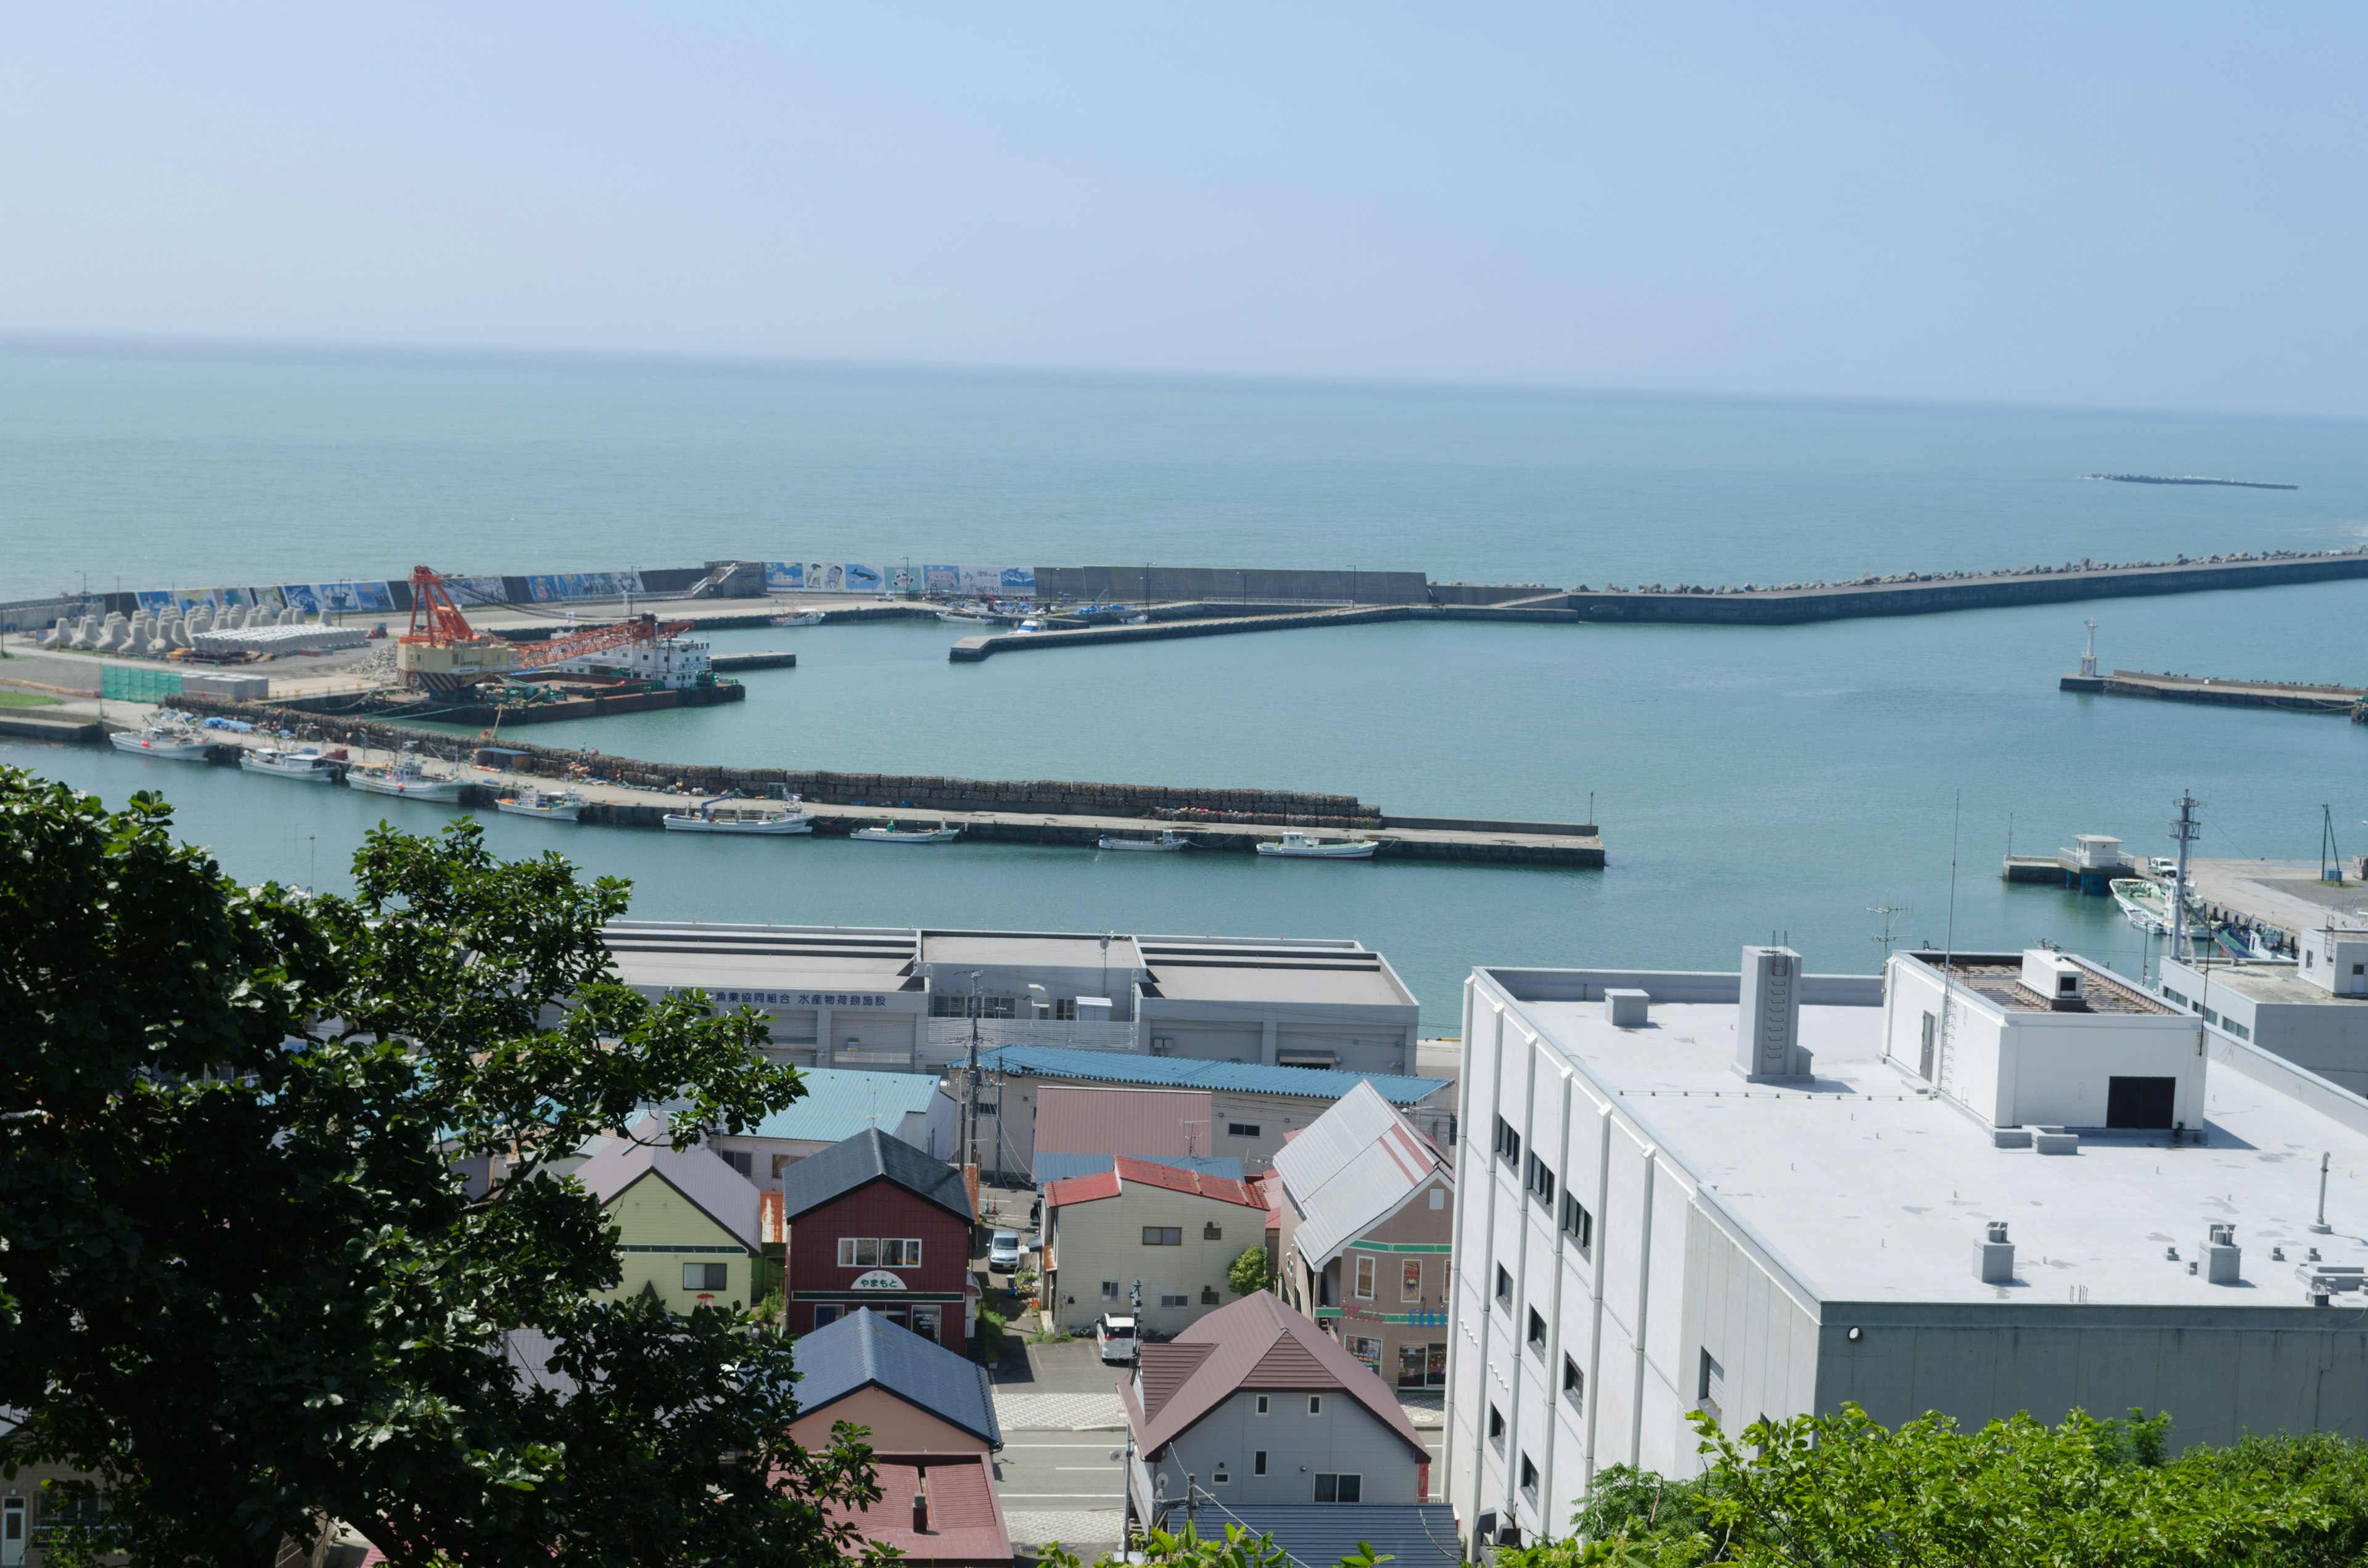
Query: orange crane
x=600, y=638
x=443, y=653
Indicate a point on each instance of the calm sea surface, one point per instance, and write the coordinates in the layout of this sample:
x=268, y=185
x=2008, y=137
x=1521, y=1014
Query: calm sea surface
x=1747, y=780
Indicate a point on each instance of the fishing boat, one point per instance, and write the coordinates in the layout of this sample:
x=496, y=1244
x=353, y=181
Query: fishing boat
x=891, y=833
x=308, y=764
x=1165, y=843
x=564, y=805
x=1030, y=626
x=722, y=815
x=1294, y=845
x=804, y=618
x=405, y=777
x=2147, y=905
x=165, y=738
x=968, y=615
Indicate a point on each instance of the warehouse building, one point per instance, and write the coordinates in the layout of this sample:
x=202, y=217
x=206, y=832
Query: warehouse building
x=1978, y=1185
x=2312, y=1009
x=900, y=999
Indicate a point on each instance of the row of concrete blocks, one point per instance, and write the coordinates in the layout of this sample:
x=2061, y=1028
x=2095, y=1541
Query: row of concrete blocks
x=159, y=632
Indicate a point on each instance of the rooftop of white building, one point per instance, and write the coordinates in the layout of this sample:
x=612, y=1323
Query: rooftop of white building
x=2275, y=981
x=1865, y=1186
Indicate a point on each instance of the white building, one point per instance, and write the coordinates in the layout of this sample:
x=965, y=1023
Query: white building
x=2312, y=1009
x=2023, y=1185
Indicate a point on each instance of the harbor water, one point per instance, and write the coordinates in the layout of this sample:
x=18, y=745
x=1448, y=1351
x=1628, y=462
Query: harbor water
x=1749, y=781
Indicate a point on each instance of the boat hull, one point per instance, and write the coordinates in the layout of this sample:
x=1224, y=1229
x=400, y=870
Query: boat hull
x=889, y=836
x=549, y=813
x=309, y=773
x=170, y=751
x=780, y=828
x=1319, y=851
x=408, y=788
x=1141, y=845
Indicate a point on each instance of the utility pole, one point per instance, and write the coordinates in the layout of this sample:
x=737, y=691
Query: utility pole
x=1887, y=911
x=2185, y=829
x=2330, y=859
x=970, y=1144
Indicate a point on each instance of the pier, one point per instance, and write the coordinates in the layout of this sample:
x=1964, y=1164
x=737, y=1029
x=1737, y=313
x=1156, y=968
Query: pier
x=2293, y=696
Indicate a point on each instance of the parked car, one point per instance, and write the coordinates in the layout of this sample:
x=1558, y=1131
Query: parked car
x=1002, y=1252
x=1115, y=1337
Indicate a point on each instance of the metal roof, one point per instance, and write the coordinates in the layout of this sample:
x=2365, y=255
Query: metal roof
x=868, y=1156
x=1319, y=1535
x=966, y=1523
x=1143, y=1122
x=718, y=1191
x=1259, y=1342
x=865, y=1350
x=1059, y=1167
x=1148, y=1172
x=841, y=1102
x=1183, y=1071
x=1351, y=1167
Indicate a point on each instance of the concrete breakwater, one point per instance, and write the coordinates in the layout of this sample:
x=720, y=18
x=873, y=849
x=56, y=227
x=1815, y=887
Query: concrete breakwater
x=2219, y=691
x=629, y=791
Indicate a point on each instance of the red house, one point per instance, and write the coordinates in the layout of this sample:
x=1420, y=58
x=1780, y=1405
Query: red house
x=875, y=1222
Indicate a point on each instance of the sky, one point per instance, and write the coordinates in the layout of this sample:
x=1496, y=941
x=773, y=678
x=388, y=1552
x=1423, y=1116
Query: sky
x=2115, y=204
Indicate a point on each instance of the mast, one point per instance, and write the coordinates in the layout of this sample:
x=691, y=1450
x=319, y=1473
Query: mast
x=2184, y=830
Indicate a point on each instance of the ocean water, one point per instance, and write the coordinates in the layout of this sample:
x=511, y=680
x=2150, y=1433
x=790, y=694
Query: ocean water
x=1748, y=780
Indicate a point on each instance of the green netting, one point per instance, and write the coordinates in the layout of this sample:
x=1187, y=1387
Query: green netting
x=139, y=685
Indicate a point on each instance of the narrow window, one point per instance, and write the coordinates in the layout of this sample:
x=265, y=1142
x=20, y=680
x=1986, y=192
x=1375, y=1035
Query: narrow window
x=1257, y=1463
x=1364, y=1280
x=1508, y=1144
x=1537, y=1332
x=1504, y=1289
x=1496, y=1427
x=1712, y=1386
x=1541, y=1182
x=867, y=1252
x=1574, y=1385
x=846, y=1252
x=1529, y=1477
x=1924, y=1056
x=1578, y=1225
x=1314, y=1404
x=1410, y=1286
x=1261, y=1410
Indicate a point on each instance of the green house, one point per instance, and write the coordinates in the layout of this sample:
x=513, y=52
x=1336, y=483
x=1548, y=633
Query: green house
x=687, y=1221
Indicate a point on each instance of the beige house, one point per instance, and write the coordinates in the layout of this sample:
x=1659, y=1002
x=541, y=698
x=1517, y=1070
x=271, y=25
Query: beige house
x=1173, y=1232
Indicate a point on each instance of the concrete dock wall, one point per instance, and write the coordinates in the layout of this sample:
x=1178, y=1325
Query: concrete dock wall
x=1135, y=584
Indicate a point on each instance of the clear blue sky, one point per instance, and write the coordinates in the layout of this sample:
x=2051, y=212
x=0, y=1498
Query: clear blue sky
x=2125, y=204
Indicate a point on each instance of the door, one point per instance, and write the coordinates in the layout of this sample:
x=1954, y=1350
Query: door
x=2139, y=1103
x=12, y=1530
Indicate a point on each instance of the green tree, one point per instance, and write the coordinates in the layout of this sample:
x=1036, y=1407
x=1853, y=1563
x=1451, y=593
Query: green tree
x=1248, y=1274
x=244, y=1285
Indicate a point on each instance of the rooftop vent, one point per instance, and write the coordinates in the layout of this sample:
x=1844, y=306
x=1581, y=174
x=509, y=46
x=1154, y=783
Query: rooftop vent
x=1626, y=1009
x=2220, y=1255
x=1768, y=1024
x=2058, y=978
x=2055, y=1140
x=1993, y=1256
x=2329, y=1279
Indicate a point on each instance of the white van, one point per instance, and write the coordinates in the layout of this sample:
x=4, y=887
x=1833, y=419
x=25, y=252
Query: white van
x=1115, y=1336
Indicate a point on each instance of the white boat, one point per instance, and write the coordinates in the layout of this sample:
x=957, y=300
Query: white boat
x=891, y=833
x=1294, y=845
x=805, y=618
x=1030, y=626
x=966, y=616
x=1164, y=843
x=308, y=764
x=715, y=816
x=176, y=741
x=2147, y=905
x=405, y=777
x=563, y=806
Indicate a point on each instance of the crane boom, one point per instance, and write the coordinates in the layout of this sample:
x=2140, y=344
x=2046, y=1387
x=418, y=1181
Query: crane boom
x=600, y=638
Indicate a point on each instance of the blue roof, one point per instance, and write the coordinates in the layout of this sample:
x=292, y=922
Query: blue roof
x=1319, y=1535
x=840, y=1102
x=1191, y=1072
x=1056, y=1167
x=865, y=1350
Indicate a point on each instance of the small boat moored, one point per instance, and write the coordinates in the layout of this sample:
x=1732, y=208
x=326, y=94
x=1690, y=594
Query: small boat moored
x=805, y=618
x=170, y=737
x=405, y=777
x=564, y=805
x=1296, y=846
x=726, y=814
x=1165, y=843
x=891, y=833
x=307, y=765
x=2147, y=905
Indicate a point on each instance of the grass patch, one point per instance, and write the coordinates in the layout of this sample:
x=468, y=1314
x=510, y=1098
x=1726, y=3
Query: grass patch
x=27, y=700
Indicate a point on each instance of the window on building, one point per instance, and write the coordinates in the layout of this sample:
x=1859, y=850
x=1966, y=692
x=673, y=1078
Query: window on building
x=1439, y=1197
x=1242, y=1128
x=1574, y=1385
x=925, y=1322
x=740, y=1160
x=1410, y=1365
x=1924, y=1052
x=1508, y=1143
x=1496, y=1427
x=1364, y=1280
x=1712, y=1387
x=1212, y=1234
x=900, y=1252
x=1504, y=1288
x=2239, y=1030
x=1335, y=1488
x=1110, y=1290
x=1163, y=1235
x=1537, y=1332
x=825, y=1316
x=1541, y=1182
x=704, y=1276
x=1578, y=1225
x=1064, y=1009
x=1174, y=1302
x=1208, y=1295
x=1410, y=1282
x=1314, y=1404
x=1222, y=1476
x=878, y=1251
x=859, y=1252
x=1262, y=1404
x=1257, y=1461
x=1528, y=1479
x=2173, y=997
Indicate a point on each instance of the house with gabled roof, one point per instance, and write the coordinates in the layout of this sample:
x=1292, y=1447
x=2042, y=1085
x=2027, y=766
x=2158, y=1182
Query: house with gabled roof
x=1254, y=1405
x=1173, y=1232
x=1366, y=1236
x=686, y=1221
x=912, y=1394
x=872, y=1222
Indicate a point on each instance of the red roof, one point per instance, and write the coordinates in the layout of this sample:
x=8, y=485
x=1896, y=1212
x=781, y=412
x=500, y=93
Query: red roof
x=1145, y=1172
x=965, y=1518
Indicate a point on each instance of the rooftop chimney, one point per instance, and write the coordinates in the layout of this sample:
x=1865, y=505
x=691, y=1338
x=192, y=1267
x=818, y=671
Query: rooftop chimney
x=1768, y=1025
x=921, y=1505
x=2221, y=1254
x=1994, y=1257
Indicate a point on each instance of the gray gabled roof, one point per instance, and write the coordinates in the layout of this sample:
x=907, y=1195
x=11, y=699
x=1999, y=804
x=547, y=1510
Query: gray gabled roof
x=717, y=1190
x=865, y=1350
x=1319, y=1535
x=1351, y=1168
x=872, y=1156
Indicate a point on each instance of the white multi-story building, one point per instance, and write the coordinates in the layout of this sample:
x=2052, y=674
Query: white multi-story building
x=2312, y=1009
x=1979, y=1185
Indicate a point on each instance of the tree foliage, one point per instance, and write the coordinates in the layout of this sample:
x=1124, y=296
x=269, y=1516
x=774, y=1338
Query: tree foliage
x=1842, y=1488
x=245, y=1286
x=1248, y=1274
